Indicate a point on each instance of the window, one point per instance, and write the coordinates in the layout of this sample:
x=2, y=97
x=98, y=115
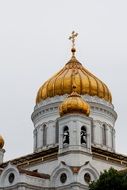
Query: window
x=57, y=132
x=35, y=137
x=83, y=135
x=44, y=135
x=104, y=134
x=66, y=135
x=11, y=178
x=112, y=138
x=92, y=133
x=63, y=178
x=87, y=178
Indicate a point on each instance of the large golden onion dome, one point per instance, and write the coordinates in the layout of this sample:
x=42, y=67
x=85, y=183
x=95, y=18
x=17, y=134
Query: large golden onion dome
x=74, y=104
x=1, y=142
x=73, y=74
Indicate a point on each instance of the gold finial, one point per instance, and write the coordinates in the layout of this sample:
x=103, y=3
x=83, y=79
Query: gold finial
x=72, y=38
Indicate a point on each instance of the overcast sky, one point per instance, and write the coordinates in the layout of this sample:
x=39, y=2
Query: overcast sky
x=34, y=45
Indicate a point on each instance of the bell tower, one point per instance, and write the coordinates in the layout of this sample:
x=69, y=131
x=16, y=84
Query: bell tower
x=74, y=129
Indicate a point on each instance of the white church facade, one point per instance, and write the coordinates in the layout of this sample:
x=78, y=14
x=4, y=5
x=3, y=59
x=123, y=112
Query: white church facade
x=74, y=134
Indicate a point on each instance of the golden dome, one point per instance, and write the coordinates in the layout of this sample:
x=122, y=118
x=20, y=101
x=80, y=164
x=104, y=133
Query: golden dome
x=74, y=104
x=1, y=142
x=73, y=74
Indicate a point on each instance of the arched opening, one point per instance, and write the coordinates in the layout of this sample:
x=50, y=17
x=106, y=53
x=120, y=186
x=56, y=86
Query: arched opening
x=104, y=134
x=83, y=136
x=35, y=138
x=112, y=138
x=57, y=132
x=66, y=135
x=44, y=135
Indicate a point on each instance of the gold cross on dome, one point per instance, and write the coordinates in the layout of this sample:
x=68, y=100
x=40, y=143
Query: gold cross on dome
x=72, y=38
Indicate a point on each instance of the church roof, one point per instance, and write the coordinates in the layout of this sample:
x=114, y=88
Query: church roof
x=33, y=158
x=34, y=174
x=52, y=154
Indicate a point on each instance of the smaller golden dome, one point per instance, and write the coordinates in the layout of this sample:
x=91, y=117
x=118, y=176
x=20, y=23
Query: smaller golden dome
x=1, y=142
x=74, y=104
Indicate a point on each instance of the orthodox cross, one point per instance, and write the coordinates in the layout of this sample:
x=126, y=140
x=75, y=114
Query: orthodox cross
x=72, y=38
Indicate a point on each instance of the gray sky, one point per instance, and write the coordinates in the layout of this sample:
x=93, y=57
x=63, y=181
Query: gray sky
x=34, y=45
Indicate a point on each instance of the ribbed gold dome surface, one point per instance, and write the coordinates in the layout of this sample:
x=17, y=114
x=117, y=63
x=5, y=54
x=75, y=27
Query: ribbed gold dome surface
x=74, y=104
x=73, y=74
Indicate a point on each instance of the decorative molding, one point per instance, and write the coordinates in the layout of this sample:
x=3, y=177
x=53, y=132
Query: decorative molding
x=98, y=100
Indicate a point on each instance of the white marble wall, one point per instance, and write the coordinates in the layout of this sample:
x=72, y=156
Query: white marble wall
x=102, y=112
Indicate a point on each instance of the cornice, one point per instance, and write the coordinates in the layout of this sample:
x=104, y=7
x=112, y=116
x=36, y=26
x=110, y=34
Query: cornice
x=52, y=153
x=109, y=156
x=33, y=158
